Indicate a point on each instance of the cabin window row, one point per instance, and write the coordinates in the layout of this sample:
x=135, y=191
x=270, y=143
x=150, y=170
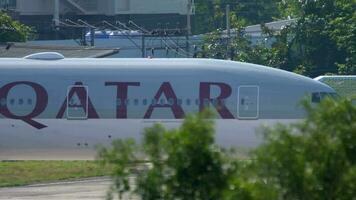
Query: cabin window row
x=12, y=102
x=180, y=102
x=135, y=102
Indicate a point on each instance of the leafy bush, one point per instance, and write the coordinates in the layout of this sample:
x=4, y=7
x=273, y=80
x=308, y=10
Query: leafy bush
x=13, y=31
x=313, y=159
x=184, y=163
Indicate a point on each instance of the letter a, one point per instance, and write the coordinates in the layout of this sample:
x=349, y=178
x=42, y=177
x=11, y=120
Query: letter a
x=82, y=96
x=168, y=91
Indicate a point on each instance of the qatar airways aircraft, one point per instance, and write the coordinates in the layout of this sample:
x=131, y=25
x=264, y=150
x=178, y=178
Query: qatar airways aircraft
x=59, y=108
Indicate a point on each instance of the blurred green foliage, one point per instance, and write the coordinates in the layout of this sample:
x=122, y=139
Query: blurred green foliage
x=13, y=31
x=184, y=163
x=312, y=159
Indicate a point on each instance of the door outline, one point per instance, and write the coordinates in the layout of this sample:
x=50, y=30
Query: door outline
x=258, y=102
x=87, y=102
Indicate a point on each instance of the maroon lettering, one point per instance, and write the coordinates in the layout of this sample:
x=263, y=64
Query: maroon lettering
x=121, y=95
x=41, y=103
x=168, y=91
x=82, y=94
x=225, y=92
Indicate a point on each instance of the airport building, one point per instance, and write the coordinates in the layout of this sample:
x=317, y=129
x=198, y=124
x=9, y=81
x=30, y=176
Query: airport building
x=97, y=7
x=43, y=14
x=8, y=4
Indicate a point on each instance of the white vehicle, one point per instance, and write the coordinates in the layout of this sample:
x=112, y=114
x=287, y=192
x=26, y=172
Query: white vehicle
x=53, y=107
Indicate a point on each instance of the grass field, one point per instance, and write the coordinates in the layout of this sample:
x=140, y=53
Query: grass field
x=30, y=172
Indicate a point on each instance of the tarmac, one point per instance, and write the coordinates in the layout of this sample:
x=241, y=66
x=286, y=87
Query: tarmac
x=88, y=189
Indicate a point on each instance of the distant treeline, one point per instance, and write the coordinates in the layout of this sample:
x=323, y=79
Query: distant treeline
x=321, y=41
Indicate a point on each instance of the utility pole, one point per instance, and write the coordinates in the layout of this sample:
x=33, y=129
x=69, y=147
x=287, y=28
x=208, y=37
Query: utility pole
x=228, y=32
x=143, y=46
x=92, y=36
x=84, y=38
x=56, y=22
x=56, y=13
x=189, y=26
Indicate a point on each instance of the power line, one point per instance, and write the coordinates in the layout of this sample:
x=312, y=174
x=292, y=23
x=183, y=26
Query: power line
x=75, y=24
x=163, y=40
x=85, y=23
x=163, y=35
x=117, y=28
x=139, y=27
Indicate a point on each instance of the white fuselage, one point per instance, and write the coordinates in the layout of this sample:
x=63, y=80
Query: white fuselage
x=62, y=109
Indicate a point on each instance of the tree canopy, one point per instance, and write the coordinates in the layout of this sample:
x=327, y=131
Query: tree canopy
x=185, y=163
x=312, y=159
x=321, y=41
x=13, y=31
x=210, y=15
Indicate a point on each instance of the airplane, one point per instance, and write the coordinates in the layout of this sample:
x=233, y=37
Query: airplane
x=56, y=108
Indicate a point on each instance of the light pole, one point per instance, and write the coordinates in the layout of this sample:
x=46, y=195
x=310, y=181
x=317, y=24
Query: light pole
x=56, y=13
x=228, y=31
x=189, y=26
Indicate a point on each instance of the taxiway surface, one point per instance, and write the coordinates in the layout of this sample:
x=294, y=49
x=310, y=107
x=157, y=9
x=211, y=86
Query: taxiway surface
x=89, y=189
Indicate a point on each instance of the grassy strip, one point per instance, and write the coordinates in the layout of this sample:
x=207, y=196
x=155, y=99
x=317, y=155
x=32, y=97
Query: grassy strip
x=21, y=173
x=30, y=172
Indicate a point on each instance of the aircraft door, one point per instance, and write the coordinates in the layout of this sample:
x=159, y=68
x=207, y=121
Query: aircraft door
x=248, y=102
x=77, y=102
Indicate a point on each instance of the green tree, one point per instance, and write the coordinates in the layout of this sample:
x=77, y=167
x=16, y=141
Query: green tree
x=210, y=15
x=241, y=48
x=199, y=175
x=13, y=31
x=185, y=163
x=257, y=11
x=343, y=32
x=121, y=156
x=310, y=43
x=290, y=8
x=321, y=41
x=314, y=159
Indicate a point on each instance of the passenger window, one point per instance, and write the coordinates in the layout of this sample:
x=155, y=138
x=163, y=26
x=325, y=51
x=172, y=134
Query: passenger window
x=162, y=101
x=72, y=102
x=171, y=101
x=214, y=102
x=20, y=101
x=12, y=101
x=188, y=102
x=29, y=101
x=127, y=103
x=136, y=102
x=153, y=102
x=144, y=102
x=118, y=102
x=179, y=102
x=197, y=102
